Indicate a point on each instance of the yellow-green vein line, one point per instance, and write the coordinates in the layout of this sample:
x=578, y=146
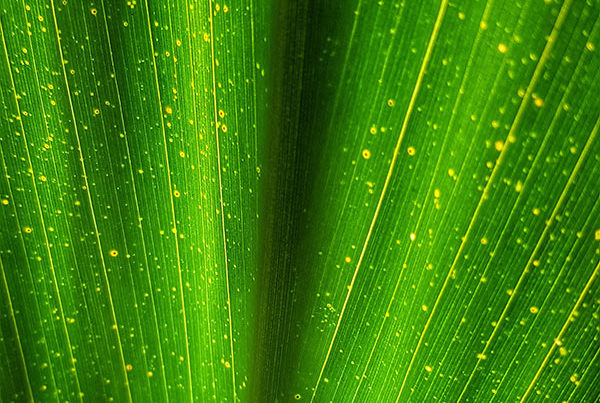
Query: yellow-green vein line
x=135, y=196
x=535, y=250
x=557, y=340
x=537, y=73
x=162, y=122
x=87, y=187
x=216, y=117
x=13, y=320
x=422, y=70
x=40, y=210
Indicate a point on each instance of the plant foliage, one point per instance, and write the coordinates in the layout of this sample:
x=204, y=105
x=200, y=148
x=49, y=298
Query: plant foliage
x=300, y=200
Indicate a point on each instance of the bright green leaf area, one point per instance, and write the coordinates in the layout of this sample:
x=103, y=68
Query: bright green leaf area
x=260, y=201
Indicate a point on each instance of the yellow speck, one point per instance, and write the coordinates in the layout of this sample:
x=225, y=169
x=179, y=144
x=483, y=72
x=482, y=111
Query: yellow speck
x=502, y=48
x=391, y=103
x=169, y=110
x=451, y=172
x=562, y=351
x=499, y=145
x=461, y=16
x=114, y=253
x=481, y=356
x=129, y=367
x=413, y=236
x=536, y=211
x=411, y=151
x=224, y=128
x=181, y=154
x=424, y=308
x=428, y=368
x=149, y=374
x=590, y=46
x=519, y=186
x=94, y=11
x=483, y=25
x=539, y=102
x=534, y=309
x=227, y=364
x=495, y=124
x=596, y=233
x=221, y=114
x=27, y=230
x=176, y=193
x=4, y=202
x=437, y=193
x=373, y=130
x=96, y=111
x=366, y=154
x=484, y=241
x=347, y=259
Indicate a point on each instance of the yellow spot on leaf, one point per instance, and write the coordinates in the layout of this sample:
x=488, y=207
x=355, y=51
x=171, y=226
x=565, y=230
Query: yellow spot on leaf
x=502, y=48
x=411, y=151
x=366, y=154
x=169, y=110
x=114, y=253
x=519, y=186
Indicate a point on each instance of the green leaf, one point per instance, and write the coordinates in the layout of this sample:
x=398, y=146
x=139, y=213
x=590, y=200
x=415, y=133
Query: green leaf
x=324, y=201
